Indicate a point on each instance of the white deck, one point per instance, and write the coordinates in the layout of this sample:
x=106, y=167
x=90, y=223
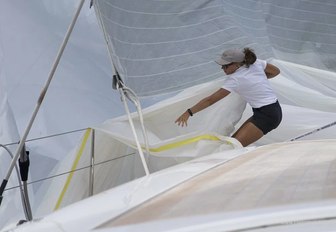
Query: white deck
x=272, y=176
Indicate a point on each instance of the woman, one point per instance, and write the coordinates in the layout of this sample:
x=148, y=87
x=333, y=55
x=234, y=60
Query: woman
x=248, y=77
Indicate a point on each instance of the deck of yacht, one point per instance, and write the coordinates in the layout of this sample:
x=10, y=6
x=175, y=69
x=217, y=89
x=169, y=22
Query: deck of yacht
x=270, y=176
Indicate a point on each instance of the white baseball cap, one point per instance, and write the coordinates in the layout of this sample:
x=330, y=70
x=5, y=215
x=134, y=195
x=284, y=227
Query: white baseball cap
x=230, y=56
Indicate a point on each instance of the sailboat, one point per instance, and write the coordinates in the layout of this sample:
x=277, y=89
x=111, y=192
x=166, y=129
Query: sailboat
x=109, y=171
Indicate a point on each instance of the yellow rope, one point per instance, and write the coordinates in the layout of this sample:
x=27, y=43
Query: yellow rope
x=185, y=142
x=73, y=168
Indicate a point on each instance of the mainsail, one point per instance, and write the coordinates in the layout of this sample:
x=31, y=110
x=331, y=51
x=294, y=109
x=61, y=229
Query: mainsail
x=164, y=46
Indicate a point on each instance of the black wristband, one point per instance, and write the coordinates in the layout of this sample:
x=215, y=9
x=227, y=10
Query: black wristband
x=190, y=113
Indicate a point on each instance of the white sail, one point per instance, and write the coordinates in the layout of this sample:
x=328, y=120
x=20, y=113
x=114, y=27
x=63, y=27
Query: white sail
x=163, y=46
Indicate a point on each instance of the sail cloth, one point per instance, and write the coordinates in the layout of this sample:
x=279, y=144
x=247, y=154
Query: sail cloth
x=164, y=46
x=167, y=139
x=169, y=145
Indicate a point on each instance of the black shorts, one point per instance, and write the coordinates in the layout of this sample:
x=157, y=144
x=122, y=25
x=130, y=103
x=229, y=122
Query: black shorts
x=268, y=117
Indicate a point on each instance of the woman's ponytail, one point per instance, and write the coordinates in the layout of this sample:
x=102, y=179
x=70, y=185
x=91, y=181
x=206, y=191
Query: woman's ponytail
x=250, y=57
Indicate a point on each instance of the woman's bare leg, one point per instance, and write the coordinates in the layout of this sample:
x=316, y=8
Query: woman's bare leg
x=248, y=133
x=242, y=126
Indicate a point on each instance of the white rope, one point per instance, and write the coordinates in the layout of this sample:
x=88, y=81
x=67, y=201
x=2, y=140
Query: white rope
x=122, y=89
x=133, y=97
x=142, y=157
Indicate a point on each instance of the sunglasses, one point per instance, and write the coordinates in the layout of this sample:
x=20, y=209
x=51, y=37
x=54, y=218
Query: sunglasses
x=225, y=66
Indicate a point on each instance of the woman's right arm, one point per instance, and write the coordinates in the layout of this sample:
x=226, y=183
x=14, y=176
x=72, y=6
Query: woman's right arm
x=204, y=103
x=208, y=101
x=271, y=70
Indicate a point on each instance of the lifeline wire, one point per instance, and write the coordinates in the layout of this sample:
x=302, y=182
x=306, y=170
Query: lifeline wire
x=47, y=136
x=314, y=131
x=65, y=173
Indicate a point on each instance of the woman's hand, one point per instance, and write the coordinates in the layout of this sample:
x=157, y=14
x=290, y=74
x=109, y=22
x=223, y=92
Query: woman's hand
x=182, y=120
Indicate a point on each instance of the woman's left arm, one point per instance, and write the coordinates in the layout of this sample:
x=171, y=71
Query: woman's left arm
x=271, y=70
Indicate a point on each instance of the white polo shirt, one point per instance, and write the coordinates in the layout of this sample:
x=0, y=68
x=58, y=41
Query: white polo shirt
x=252, y=84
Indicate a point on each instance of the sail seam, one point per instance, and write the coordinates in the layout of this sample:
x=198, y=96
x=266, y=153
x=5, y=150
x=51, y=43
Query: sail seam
x=184, y=54
x=164, y=28
x=174, y=41
x=160, y=14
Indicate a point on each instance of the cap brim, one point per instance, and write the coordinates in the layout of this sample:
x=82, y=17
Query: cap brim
x=222, y=62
